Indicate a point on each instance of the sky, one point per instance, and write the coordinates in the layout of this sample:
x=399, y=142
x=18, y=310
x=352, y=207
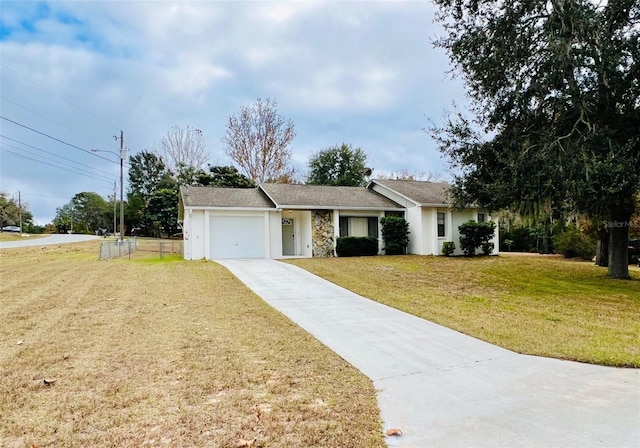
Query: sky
x=74, y=74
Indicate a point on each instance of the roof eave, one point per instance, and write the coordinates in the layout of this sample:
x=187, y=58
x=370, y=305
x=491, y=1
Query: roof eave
x=213, y=207
x=335, y=207
x=416, y=203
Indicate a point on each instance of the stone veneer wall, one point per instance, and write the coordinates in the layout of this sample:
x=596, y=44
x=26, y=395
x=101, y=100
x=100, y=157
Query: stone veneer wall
x=322, y=233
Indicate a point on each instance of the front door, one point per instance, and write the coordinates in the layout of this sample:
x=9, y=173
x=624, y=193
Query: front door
x=288, y=237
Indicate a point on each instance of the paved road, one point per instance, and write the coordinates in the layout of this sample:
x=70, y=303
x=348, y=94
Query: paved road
x=446, y=389
x=47, y=240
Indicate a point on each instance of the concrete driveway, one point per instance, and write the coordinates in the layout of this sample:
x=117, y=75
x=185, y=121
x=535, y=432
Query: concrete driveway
x=57, y=238
x=446, y=389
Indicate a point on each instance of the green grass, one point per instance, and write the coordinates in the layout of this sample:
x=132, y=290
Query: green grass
x=535, y=305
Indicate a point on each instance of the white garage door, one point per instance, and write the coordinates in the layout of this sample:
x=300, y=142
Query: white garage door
x=237, y=236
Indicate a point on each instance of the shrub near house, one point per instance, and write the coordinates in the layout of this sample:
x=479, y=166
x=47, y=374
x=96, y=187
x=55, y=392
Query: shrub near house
x=395, y=233
x=475, y=235
x=354, y=246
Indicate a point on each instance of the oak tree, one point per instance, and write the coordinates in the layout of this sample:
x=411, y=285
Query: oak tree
x=555, y=90
x=341, y=165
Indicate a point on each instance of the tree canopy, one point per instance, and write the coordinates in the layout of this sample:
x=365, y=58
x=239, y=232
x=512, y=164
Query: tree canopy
x=11, y=212
x=555, y=97
x=148, y=173
x=258, y=140
x=224, y=176
x=341, y=165
x=85, y=212
x=150, y=181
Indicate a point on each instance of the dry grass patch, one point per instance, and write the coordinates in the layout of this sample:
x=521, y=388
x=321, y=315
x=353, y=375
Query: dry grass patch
x=163, y=353
x=535, y=305
x=7, y=236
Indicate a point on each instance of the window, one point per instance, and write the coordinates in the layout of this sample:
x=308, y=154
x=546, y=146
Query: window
x=354, y=226
x=440, y=224
x=372, y=227
x=480, y=217
x=344, y=226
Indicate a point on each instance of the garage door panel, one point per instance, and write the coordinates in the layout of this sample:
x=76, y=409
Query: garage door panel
x=237, y=236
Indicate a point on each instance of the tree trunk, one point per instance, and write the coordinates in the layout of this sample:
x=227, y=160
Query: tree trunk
x=602, y=256
x=618, y=247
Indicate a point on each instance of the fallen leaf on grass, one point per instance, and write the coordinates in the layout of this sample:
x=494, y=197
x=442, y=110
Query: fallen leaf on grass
x=246, y=443
x=394, y=432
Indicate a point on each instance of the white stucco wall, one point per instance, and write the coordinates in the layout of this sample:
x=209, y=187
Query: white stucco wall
x=194, y=234
x=275, y=237
x=413, y=215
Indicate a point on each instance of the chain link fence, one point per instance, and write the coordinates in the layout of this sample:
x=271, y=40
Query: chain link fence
x=161, y=247
x=118, y=249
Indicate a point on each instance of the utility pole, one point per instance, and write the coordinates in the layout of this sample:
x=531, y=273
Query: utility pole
x=20, y=210
x=122, y=157
x=115, y=201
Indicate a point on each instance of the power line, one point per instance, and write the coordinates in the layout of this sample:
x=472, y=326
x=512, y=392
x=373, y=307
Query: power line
x=54, y=138
x=56, y=161
x=4, y=98
x=55, y=166
x=58, y=96
x=53, y=154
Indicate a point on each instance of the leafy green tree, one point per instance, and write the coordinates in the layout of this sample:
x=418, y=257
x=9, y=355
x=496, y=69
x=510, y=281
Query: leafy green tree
x=91, y=210
x=162, y=211
x=63, y=219
x=555, y=94
x=225, y=176
x=148, y=173
x=188, y=174
x=338, y=165
x=85, y=212
x=11, y=212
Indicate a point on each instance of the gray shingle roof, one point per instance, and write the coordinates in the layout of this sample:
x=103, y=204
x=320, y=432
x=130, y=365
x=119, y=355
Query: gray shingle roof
x=326, y=197
x=421, y=192
x=224, y=197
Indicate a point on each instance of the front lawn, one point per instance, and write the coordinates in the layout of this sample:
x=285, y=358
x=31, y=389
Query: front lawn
x=535, y=305
x=150, y=352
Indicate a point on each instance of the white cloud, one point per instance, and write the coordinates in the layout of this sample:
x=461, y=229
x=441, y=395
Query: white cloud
x=281, y=13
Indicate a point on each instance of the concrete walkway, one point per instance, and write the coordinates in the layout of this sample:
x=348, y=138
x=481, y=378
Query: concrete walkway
x=446, y=389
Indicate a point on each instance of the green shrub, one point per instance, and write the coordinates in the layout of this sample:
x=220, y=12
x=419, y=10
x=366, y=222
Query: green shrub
x=395, y=234
x=476, y=234
x=448, y=247
x=487, y=248
x=356, y=246
x=572, y=243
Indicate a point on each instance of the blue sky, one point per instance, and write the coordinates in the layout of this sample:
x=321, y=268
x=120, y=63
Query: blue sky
x=363, y=73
